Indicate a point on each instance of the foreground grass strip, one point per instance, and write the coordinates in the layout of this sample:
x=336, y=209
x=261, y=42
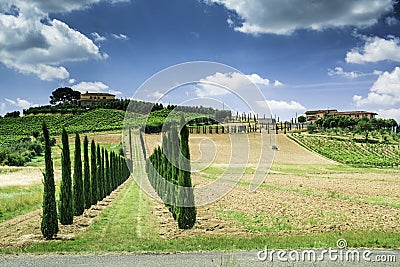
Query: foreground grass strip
x=17, y=200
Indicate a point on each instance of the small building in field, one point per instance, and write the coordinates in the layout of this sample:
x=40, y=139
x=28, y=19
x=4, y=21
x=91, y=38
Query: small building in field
x=314, y=115
x=94, y=98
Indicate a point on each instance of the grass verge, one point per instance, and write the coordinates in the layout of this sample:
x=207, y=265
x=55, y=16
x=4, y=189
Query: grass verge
x=17, y=200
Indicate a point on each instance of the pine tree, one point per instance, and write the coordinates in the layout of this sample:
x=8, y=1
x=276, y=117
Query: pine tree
x=79, y=200
x=93, y=172
x=86, y=174
x=186, y=215
x=49, y=224
x=66, y=201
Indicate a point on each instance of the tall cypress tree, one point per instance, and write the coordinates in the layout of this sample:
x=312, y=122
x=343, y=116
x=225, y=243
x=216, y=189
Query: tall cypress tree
x=186, y=216
x=98, y=174
x=49, y=224
x=104, y=193
x=86, y=174
x=79, y=200
x=107, y=174
x=93, y=173
x=66, y=201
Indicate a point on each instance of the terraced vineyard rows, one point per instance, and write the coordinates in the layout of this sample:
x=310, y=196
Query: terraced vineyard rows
x=350, y=152
x=91, y=121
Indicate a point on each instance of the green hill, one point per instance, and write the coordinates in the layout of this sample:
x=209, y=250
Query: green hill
x=14, y=129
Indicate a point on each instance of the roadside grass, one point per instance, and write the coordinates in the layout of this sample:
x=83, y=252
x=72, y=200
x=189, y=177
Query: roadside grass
x=17, y=200
x=120, y=228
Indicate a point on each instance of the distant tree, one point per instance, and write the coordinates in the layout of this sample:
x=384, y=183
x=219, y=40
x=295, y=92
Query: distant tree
x=79, y=201
x=14, y=114
x=66, y=200
x=49, y=224
x=63, y=94
x=301, y=119
x=86, y=174
x=311, y=128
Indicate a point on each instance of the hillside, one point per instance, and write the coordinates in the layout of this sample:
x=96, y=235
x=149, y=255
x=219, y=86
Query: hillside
x=13, y=129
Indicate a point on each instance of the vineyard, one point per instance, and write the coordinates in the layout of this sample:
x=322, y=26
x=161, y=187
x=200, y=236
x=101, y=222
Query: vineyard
x=350, y=152
x=91, y=121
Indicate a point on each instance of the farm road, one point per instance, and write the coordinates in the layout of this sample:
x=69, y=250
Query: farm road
x=194, y=259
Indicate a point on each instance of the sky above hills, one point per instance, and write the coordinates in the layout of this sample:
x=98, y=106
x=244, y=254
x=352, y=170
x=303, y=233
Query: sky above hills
x=302, y=54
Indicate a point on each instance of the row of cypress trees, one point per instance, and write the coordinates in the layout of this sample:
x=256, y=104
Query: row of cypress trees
x=100, y=175
x=168, y=169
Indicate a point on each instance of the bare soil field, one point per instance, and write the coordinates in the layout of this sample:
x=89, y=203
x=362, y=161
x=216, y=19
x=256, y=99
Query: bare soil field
x=304, y=193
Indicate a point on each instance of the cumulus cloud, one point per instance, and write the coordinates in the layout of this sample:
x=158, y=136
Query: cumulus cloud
x=281, y=105
x=393, y=113
x=221, y=83
x=384, y=92
x=20, y=103
x=32, y=43
x=286, y=16
x=375, y=49
x=94, y=87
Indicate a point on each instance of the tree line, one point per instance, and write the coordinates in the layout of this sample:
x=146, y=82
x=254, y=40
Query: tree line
x=93, y=179
x=168, y=169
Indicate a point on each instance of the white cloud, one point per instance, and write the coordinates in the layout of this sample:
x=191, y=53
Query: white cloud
x=282, y=105
x=71, y=81
x=257, y=79
x=338, y=71
x=278, y=83
x=94, y=87
x=391, y=21
x=97, y=37
x=120, y=36
x=233, y=81
x=32, y=43
x=3, y=106
x=375, y=49
x=384, y=92
x=286, y=16
x=393, y=113
x=20, y=103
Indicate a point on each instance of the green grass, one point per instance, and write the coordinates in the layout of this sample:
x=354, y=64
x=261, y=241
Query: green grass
x=17, y=200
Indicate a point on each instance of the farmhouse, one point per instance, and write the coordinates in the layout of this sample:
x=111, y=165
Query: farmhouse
x=94, y=98
x=314, y=115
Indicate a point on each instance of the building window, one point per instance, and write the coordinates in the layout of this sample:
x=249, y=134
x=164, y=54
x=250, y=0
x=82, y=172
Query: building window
x=104, y=97
x=91, y=97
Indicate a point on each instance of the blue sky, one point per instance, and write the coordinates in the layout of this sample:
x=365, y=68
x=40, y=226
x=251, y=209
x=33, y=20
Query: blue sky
x=302, y=54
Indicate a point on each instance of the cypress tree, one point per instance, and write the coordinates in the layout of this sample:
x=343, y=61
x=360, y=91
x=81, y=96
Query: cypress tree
x=66, y=200
x=79, y=200
x=107, y=174
x=93, y=172
x=186, y=215
x=86, y=174
x=98, y=174
x=49, y=224
x=103, y=167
